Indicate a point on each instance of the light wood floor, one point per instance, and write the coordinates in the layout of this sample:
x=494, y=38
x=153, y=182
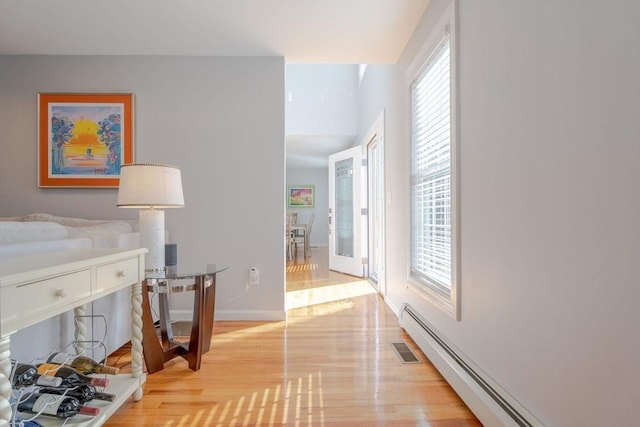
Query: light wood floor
x=330, y=364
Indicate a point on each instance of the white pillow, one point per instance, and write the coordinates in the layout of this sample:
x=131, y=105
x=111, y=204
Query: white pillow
x=68, y=221
x=18, y=232
x=12, y=218
x=115, y=227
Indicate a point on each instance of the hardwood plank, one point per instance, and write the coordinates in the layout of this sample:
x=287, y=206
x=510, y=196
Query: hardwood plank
x=330, y=364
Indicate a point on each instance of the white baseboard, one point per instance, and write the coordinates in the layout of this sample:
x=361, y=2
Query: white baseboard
x=487, y=399
x=255, y=315
x=392, y=306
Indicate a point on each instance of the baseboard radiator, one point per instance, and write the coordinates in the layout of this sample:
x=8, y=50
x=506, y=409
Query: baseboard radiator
x=487, y=400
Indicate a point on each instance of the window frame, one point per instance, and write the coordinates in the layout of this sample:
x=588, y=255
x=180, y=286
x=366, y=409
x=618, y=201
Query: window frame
x=424, y=286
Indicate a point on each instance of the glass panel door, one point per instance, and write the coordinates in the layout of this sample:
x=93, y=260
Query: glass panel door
x=347, y=224
x=344, y=207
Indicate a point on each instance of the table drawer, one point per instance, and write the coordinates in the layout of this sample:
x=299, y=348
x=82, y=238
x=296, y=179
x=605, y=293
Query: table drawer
x=118, y=274
x=37, y=300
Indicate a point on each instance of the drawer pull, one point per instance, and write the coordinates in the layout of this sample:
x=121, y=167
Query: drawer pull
x=120, y=273
x=60, y=293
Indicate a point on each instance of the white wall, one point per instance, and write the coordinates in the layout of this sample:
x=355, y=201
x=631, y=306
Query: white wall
x=549, y=100
x=320, y=178
x=221, y=120
x=321, y=99
x=382, y=89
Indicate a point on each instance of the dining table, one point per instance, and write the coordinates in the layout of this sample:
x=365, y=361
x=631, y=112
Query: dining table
x=294, y=230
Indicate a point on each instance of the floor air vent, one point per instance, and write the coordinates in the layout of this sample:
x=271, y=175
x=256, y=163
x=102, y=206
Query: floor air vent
x=404, y=352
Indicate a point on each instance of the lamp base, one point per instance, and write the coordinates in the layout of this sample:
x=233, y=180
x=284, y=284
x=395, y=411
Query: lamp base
x=152, y=238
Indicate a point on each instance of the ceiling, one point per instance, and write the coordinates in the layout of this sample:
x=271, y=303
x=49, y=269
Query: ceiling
x=302, y=31
x=312, y=151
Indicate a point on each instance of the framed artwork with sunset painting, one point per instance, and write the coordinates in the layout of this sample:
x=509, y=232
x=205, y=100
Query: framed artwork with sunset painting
x=83, y=139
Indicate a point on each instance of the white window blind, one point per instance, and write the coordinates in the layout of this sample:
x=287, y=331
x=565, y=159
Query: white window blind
x=431, y=234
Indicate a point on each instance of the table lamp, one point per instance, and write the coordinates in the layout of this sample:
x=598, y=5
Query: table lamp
x=151, y=188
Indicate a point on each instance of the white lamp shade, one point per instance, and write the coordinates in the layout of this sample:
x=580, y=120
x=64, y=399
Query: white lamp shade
x=150, y=186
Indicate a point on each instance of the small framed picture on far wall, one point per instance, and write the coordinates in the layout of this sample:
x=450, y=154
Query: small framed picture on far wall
x=300, y=196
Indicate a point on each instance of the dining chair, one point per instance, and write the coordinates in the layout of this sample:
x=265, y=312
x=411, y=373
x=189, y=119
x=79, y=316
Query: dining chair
x=292, y=217
x=303, y=237
x=289, y=234
x=307, y=235
x=299, y=238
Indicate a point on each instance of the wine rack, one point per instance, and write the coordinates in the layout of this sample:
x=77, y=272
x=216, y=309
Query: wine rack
x=83, y=347
x=50, y=284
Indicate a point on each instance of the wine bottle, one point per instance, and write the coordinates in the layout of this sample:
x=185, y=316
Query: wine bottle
x=48, y=381
x=83, y=392
x=82, y=364
x=29, y=423
x=57, y=406
x=23, y=374
x=69, y=375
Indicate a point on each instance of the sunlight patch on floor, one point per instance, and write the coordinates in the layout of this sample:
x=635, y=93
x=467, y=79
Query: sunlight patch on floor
x=244, y=333
x=325, y=294
x=301, y=267
x=297, y=402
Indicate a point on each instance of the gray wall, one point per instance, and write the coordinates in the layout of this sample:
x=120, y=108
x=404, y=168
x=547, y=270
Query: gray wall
x=221, y=120
x=549, y=102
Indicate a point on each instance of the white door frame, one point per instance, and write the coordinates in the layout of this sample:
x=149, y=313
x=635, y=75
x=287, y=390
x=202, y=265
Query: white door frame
x=376, y=211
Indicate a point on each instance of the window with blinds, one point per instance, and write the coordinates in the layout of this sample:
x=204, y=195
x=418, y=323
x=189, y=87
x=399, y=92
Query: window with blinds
x=431, y=173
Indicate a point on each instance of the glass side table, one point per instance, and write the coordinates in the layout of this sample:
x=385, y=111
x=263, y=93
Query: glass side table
x=159, y=350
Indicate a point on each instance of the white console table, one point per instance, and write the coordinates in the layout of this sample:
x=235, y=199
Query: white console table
x=37, y=287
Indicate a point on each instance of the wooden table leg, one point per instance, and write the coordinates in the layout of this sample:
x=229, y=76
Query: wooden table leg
x=210, y=304
x=158, y=351
x=194, y=354
x=166, y=330
x=153, y=353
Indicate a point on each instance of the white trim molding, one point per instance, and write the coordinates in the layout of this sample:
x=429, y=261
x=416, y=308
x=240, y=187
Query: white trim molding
x=491, y=403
